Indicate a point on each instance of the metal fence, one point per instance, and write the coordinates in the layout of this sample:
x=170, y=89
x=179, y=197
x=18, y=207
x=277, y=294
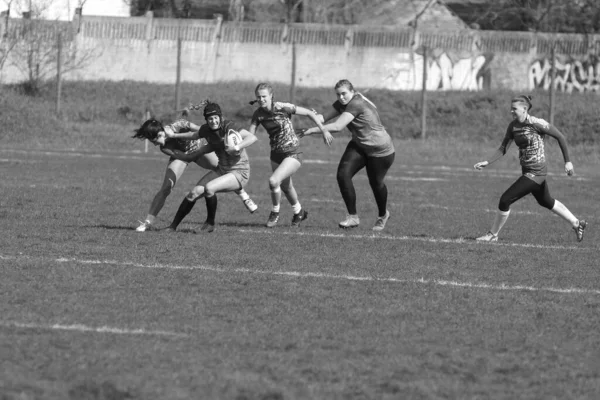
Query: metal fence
x=141, y=28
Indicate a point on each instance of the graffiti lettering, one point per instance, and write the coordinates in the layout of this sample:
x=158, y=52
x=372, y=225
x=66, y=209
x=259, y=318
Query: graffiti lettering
x=444, y=72
x=571, y=75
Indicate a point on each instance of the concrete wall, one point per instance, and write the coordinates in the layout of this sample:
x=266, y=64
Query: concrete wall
x=143, y=49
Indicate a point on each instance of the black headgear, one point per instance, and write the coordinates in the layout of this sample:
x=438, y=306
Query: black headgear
x=212, y=109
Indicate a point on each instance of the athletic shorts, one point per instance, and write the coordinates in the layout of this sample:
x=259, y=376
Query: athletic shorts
x=278, y=158
x=242, y=175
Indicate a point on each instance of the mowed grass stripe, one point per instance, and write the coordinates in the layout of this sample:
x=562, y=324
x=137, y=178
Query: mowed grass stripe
x=85, y=328
x=297, y=274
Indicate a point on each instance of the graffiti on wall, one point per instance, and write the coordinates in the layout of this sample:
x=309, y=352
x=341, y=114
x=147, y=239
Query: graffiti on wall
x=571, y=74
x=445, y=71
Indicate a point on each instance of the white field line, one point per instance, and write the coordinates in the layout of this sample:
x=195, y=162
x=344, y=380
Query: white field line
x=420, y=239
x=85, y=328
x=297, y=274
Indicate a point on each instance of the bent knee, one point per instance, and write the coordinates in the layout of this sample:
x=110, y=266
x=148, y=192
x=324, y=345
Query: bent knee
x=504, y=204
x=274, y=183
x=547, y=203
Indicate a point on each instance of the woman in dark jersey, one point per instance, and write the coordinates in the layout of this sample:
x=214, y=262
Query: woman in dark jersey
x=371, y=147
x=528, y=132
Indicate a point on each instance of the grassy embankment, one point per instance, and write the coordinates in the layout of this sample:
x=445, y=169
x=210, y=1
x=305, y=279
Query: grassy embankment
x=461, y=126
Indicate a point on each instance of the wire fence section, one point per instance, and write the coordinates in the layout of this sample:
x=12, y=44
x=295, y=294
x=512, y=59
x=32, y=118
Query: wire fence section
x=143, y=28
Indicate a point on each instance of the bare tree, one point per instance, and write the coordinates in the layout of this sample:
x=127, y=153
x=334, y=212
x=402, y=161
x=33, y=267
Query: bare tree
x=35, y=52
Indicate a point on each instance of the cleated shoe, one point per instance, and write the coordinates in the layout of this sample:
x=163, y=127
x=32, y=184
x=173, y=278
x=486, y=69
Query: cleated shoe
x=579, y=230
x=206, y=228
x=144, y=226
x=381, y=221
x=169, y=229
x=250, y=205
x=351, y=221
x=273, y=219
x=297, y=218
x=488, y=237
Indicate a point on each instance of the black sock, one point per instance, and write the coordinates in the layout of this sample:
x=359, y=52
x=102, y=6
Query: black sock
x=184, y=209
x=211, y=209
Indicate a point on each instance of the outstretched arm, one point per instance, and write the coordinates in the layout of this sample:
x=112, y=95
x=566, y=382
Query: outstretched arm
x=498, y=153
x=170, y=131
x=336, y=126
x=327, y=137
x=187, y=157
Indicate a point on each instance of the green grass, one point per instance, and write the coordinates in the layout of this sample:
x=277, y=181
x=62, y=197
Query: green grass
x=420, y=311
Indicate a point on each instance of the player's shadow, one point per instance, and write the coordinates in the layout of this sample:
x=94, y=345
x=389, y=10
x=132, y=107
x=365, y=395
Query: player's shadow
x=109, y=227
x=242, y=224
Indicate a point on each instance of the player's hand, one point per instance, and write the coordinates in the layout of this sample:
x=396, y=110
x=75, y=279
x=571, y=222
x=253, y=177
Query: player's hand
x=481, y=165
x=301, y=133
x=569, y=168
x=327, y=138
x=233, y=150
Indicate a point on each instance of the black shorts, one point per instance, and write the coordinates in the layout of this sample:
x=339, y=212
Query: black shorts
x=278, y=158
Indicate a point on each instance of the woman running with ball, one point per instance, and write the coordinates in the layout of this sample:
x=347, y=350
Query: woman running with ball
x=233, y=169
x=154, y=131
x=528, y=132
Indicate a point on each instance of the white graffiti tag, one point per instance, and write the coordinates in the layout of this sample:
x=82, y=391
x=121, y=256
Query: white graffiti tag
x=572, y=75
x=406, y=73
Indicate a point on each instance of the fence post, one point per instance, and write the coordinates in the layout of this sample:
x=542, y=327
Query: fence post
x=293, y=78
x=215, y=42
x=58, y=72
x=178, y=73
x=552, y=78
x=147, y=116
x=424, y=96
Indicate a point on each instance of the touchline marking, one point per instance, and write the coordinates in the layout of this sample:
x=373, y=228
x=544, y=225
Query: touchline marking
x=295, y=274
x=85, y=328
x=419, y=239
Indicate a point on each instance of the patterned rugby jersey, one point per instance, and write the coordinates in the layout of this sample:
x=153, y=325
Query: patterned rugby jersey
x=529, y=137
x=216, y=140
x=278, y=124
x=187, y=146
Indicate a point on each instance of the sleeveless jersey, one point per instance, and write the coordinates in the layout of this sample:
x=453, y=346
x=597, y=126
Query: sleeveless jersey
x=216, y=140
x=278, y=124
x=366, y=128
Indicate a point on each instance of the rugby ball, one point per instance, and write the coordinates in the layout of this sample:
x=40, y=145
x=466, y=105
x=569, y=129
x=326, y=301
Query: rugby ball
x=233, y=138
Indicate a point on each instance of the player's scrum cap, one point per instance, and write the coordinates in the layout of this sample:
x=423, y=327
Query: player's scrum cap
x=212, y=109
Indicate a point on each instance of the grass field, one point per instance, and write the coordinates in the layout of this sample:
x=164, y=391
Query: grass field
x=91, y=309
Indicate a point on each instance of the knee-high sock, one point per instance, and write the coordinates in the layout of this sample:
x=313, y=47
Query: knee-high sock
x=211, y=209
x=499, y=221
x=562, y=211
x=184, y=209
x=243, y=194
x=276, y=198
